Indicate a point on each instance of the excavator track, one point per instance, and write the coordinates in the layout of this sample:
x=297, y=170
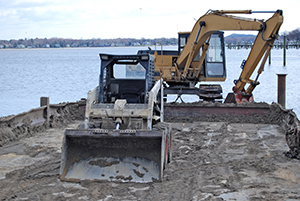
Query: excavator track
x=210, y=92
x=208, y=111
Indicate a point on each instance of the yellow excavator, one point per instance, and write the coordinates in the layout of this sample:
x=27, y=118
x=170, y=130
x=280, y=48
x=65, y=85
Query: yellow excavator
x=123, y=137
x=201, y=55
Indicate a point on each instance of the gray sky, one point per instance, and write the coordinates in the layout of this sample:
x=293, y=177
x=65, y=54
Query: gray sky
x=122, y=18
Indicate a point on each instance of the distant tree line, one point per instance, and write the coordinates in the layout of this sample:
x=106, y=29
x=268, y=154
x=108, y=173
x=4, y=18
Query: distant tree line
x=240, y=38
x=234, y=40
x=62, y=42
x=292, y=35
x=238, y=41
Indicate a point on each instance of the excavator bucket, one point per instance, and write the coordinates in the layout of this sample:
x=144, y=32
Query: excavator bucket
x=114, y=155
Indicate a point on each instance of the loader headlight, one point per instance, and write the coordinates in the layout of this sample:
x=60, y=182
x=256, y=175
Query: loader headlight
x=104, y=57
x=145, y=57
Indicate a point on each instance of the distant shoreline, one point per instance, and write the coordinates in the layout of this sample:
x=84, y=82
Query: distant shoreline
x=74, y=43
x=39, y=48
x=234, y=40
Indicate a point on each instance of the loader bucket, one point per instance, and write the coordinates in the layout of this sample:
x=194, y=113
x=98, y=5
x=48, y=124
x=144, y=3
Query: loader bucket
x=126, y=156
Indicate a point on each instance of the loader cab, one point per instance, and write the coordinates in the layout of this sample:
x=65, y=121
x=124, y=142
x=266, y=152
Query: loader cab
x=127, y=77
x=214, y=64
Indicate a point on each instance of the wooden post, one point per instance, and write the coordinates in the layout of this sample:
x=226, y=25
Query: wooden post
x=44, y=101
x=281, y=90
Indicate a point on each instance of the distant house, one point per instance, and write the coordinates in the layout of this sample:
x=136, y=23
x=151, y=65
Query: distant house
x=8, y=46
x=146, y=43
x=74, y=45
x=21, y=46
x=136, y=44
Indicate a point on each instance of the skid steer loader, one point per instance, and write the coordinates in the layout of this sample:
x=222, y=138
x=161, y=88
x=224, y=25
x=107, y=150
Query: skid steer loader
x=117, y=141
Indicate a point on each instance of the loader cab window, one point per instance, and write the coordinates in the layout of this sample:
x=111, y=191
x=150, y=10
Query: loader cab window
x=126, y=70
x=215, y=58
x=127, y=81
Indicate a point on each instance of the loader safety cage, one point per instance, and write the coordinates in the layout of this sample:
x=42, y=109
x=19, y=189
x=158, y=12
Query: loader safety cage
x=115, y=71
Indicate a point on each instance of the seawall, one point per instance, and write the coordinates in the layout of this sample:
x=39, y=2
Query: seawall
x=37, y=120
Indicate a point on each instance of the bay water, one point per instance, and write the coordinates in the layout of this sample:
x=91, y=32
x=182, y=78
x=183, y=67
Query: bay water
x=67, y=74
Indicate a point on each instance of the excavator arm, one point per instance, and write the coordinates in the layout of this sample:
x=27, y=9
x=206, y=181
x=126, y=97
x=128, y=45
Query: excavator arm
x=214, y=21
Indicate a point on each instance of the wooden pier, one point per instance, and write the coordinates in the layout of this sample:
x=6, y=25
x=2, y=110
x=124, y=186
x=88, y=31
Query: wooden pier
x=248, y=45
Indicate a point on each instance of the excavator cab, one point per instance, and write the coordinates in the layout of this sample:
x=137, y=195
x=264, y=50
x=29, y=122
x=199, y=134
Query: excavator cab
x=207, y=65
x=213, y=66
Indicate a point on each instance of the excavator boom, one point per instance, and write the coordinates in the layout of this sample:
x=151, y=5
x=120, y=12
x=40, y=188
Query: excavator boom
x=219, y=20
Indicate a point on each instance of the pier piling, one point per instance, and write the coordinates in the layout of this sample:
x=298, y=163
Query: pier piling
x=44, y=101
x=281, y=89
x=284, y=50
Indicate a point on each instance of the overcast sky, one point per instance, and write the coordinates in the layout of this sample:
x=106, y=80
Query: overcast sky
x=122, y=18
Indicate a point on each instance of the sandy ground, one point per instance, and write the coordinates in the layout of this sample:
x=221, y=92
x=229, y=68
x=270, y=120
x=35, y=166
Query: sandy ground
x=211, y=161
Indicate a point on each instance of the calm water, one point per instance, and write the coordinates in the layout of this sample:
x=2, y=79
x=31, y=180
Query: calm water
x=67, y=75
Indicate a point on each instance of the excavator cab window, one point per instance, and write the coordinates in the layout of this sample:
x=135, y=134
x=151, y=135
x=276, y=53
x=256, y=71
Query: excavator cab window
x=182, y=40
x=215, y=57
x=215, y=52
